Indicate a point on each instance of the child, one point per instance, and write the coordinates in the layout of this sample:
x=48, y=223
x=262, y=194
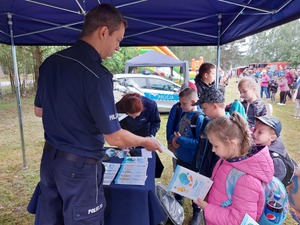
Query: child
x=184, y=141
x=284, y=90
x=267, y=133
x=173, y=120
x=273, y=87
x=205, y=78
x=253, y=105
x=212, y=103
x=231, y=140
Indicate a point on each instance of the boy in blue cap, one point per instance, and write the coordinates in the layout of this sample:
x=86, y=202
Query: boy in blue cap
x=267, y=132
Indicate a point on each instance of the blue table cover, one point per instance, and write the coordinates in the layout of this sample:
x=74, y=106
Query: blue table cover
x=134, y=204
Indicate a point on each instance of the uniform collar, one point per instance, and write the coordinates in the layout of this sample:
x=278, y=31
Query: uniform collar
x=89, y=49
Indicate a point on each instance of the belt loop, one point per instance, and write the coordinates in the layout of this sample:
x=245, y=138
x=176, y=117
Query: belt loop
x=80, y=162
x=52, y=150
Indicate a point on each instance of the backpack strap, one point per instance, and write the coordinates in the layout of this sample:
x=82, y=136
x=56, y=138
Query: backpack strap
x=202, y=152
x=177, y=114
x=231, y=180
x=194, y=122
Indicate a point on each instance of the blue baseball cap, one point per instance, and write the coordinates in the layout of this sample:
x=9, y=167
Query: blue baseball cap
x=272, y=122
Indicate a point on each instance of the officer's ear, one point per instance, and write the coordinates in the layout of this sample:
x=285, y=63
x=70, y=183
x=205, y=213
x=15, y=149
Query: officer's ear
x=103, y=32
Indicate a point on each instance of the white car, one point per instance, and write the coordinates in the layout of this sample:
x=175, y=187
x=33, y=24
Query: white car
x=164, y=92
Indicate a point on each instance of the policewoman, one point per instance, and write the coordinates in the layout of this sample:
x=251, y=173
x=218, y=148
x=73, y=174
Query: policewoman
x=143, y=119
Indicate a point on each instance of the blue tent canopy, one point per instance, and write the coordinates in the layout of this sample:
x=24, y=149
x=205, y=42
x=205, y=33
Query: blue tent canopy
x=151, y=22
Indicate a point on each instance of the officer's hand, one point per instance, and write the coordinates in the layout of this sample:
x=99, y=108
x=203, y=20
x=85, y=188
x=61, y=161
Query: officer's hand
x=151, y=144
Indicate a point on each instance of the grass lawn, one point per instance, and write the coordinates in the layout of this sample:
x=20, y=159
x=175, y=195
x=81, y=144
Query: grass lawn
x=17, y=183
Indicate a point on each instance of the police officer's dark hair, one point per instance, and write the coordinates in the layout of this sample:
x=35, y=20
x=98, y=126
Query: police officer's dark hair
x=102, y=15
x=204, y=68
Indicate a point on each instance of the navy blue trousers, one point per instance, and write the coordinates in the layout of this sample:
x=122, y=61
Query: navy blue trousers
x=70, y=192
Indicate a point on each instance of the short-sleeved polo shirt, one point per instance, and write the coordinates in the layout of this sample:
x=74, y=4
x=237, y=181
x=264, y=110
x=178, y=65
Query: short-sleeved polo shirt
x=75, y=92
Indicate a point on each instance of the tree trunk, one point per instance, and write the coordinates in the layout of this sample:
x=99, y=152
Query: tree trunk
x=38, y=61
x=24, y=82
x=11, y=74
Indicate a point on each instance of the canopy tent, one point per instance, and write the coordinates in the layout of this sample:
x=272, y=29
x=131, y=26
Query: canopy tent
x=153, y=58
x=151, y=22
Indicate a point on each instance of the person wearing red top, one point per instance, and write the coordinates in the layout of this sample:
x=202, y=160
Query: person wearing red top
x=289, y=76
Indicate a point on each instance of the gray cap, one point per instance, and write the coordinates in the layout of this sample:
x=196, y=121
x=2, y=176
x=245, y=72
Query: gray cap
x=272, y=122
x=211, y=95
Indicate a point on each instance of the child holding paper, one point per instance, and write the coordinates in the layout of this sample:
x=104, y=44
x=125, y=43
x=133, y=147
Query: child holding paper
x=186, y=140
x=231, y=141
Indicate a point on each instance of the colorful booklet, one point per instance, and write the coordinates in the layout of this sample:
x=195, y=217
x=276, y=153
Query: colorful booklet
x=133, y=171
x=248, y=220
x=189, y=183
x=111, y=170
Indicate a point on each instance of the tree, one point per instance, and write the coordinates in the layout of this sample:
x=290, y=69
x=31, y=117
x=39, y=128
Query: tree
x=276, y=45
x=116, y=64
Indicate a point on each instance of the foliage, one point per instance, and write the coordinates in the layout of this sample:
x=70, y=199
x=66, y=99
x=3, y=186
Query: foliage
x=29, y=58
x=231, y=54
x=277, y=44
x=116, y=64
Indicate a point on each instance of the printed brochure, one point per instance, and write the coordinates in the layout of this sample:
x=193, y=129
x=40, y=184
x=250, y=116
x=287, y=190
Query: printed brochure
x=189, y=183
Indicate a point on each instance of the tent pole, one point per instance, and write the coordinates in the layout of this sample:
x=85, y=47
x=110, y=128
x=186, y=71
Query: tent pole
x=218, y=49
x=186, y=73
x=17, y=86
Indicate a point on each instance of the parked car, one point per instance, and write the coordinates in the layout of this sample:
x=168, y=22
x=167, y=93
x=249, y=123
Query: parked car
x=164, y=92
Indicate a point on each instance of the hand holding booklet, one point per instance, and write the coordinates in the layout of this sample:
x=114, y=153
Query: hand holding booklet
x=189, y=183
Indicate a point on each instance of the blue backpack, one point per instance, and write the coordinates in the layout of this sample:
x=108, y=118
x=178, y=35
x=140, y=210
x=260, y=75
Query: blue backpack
x=274, y=189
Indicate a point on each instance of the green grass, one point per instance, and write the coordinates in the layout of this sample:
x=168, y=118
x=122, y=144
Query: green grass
x=17, y=183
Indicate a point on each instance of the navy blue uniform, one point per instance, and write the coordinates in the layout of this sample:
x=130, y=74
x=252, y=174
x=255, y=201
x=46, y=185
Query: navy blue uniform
x=76, y=94
x=147, y=123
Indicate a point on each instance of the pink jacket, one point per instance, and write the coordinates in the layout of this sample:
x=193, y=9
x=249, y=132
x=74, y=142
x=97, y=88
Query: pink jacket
x=248, y=196
x=283, y=85
x=264, y=81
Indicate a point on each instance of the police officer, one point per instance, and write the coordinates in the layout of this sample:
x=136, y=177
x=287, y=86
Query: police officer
x=75, y=100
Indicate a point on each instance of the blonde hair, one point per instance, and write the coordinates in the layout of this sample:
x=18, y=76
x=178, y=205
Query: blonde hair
x=234, y=127
x=249, y=82
x=189, y=92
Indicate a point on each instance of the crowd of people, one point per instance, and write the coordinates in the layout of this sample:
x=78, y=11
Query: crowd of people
x=286, y=80
x=243, y=135
x=75, y=100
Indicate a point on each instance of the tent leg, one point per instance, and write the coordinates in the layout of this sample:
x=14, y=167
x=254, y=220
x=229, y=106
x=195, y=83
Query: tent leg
x=17, y=86
x=218, y=49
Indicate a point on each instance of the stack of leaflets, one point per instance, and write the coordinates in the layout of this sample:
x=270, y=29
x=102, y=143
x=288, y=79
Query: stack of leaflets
x=133, y=171
x=111, y=170
x=189, y=184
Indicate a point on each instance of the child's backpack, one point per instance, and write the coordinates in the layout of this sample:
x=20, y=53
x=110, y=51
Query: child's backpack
x=193, y=121
x=276, y=198
x=289, y=164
